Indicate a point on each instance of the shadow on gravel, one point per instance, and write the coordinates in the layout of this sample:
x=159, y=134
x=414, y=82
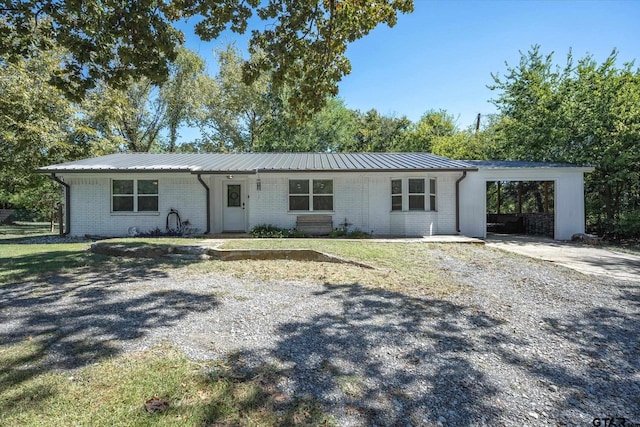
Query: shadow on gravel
x=609, y=348
x=387, y=358
x=65, y=322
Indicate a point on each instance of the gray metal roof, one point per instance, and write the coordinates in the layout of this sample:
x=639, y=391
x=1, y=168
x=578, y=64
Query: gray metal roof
x=262, y=162
x=518, y=164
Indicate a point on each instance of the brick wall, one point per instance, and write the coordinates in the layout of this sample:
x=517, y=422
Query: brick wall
x=364, y=200
x=91, y=205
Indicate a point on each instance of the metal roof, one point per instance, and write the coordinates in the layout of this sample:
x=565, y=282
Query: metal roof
x=263, y=162
x=518, y=164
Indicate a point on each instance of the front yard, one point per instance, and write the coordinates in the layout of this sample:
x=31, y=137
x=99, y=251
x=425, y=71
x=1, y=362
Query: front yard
x=435, y=334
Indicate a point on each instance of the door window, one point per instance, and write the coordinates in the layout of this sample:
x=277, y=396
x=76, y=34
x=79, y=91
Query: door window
x=233, y=195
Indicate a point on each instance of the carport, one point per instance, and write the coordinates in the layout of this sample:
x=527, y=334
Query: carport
x=563, y=189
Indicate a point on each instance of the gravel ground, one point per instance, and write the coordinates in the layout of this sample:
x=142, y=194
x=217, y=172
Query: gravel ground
x=529, y=343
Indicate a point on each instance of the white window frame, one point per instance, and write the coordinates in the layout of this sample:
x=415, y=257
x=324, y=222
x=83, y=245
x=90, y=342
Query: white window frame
x=433, y=195
x=310, y=194
x=135, y=195
x=405, y=194
x=423, y=194
x=401, y=195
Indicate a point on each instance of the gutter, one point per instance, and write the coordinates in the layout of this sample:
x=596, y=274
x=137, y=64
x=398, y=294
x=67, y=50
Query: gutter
x=464, y=175
x=67, y=202
x=208, y=203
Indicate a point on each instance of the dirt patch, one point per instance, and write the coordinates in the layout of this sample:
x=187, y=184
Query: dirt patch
x=207, y=253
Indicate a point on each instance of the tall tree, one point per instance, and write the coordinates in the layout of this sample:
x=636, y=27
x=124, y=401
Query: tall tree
x=34, y=118
x=331, y=129
x=433, y=124
x=134, y=117
x=234, y=112
x=38, y=126
x=584, y=113
x=379, y=133
x=181, y=93
x=304, y=41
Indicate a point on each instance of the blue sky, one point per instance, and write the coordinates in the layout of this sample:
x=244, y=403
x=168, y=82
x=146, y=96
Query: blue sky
x=442, y=55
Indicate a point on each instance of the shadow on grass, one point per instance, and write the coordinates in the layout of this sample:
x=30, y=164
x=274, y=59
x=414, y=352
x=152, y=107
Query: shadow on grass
x=20, y=266
x=69, y=319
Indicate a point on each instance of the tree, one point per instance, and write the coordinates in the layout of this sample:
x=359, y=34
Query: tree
x=583, y=113
x=38, y=126
x=465, y=145
x=113, y=40
x=433, y=124
x=378, y=133
x=328, y=130
x=181, y=94
x=234, y=113
x=133, y=117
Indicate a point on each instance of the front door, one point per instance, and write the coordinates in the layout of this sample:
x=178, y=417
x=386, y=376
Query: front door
x=234, y=207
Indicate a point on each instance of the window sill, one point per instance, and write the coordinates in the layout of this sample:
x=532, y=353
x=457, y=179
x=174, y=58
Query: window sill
x=411, y=212
x=121, y=213
x=310, y=212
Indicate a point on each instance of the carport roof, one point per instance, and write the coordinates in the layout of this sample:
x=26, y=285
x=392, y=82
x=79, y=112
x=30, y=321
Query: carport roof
x=263, y=162
x=519, y=164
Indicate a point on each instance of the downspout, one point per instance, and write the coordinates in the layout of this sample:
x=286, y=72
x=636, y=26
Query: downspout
x=208, y=203
x=464, y=175
x=67, y=202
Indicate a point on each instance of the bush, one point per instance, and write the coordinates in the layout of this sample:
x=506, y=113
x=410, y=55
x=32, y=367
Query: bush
x=266, y=231
x=628, y=226
x=344, y=233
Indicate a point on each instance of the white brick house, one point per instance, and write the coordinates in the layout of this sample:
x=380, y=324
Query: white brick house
x=401, y=194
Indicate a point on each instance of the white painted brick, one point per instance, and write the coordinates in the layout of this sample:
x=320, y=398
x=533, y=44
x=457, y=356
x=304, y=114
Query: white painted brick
x=362, y=199
x=91, y=204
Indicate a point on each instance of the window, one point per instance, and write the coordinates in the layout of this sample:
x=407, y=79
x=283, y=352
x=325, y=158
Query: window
x=310, y=194
x=233, y=195
x=396, y=194
x=416, y=194
x=432, y=194
x=413, y=194
x=131, y=195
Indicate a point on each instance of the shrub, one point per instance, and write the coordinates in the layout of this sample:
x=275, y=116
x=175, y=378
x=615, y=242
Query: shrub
x=265, y=231
x=344, y=233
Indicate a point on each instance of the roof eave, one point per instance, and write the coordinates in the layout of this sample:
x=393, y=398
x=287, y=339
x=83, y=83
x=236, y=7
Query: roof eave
x=394, y=170
x=198, y=171
x=40, y=170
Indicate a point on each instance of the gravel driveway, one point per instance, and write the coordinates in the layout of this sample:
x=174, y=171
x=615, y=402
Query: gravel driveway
x=528, y=342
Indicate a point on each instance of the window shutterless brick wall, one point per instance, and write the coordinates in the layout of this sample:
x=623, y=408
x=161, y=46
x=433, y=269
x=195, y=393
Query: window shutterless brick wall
x=363, y=199
x=91, y=205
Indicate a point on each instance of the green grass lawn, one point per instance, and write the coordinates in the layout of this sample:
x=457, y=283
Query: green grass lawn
x=116, y=391
x=21, y=229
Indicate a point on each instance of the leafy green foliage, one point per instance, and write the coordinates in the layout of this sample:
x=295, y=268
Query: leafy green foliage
x=38, y=126
x=346, y=234
x=378, y=133
x=181, y=93
x=304, y=44
x=234, y=112
x=331, y=129
x=267, y=231
x=582, y=113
